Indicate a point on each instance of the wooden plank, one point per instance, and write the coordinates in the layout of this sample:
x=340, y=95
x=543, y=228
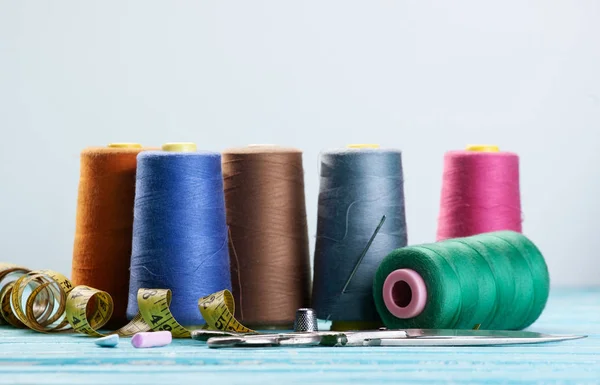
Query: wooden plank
x=27, y=357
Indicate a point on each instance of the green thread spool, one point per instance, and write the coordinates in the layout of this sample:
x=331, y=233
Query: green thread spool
x=498, y=280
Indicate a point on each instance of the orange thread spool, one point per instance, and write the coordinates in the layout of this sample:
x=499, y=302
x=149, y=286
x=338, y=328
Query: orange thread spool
x=104, y=224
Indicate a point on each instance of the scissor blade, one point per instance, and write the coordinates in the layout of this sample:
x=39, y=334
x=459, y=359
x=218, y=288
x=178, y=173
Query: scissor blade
x=469, y=340
x=204, y=335
x=512, y=334
x=265, y=340
x=230, y=342
x=357, y=338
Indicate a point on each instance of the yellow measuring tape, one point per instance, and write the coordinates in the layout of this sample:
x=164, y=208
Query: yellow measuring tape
x=47, y=301
x=8, y=271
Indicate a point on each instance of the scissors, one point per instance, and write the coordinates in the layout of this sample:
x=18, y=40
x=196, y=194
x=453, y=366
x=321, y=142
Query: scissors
x=381, y=337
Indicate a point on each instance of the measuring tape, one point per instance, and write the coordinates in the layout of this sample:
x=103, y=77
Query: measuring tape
x=8, y=271
x=47, y=301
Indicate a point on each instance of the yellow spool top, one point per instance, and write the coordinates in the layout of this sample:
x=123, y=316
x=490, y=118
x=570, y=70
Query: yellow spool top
x=263, y=145
x=483, y=148
x=179, y=147
x=124, y=145
x=363, y=145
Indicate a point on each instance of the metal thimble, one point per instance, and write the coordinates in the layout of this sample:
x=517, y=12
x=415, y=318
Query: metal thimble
x=306, y=320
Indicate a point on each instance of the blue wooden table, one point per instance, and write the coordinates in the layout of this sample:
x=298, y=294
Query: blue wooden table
x=32, y=358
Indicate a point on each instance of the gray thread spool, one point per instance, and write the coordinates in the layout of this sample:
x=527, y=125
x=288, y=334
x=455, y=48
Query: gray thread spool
x=358, y=186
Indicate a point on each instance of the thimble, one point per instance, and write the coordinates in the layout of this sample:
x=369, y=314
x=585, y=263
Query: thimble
x=306, y=320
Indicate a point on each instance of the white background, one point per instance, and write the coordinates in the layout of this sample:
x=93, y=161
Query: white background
x=419, y=75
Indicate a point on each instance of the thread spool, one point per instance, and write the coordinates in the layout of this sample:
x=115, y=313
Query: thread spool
x=480, y=192
x=496, y=280
x=358, y=186
x=179, y=233
x=266, y=214
x=104, y=222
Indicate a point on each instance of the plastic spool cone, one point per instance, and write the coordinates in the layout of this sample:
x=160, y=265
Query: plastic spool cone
x=179, y=147
x=483, y=148
x=124, y=145
x=363, y=145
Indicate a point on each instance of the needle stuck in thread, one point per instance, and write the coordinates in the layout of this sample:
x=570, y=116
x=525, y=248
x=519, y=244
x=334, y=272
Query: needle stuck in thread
x=360, y=259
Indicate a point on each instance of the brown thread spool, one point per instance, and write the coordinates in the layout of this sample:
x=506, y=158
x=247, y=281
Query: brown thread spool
x=266, y=215
x=104, y=224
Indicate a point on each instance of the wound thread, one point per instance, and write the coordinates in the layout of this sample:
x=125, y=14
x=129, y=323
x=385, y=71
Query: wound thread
x=358, y=186
x=104, y=222
x=180, y=232
x=480, y=192
x=266, y=214
x=498, y=280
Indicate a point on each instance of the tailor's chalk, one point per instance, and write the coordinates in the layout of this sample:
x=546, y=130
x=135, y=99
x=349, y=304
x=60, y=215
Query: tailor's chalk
x=108, y=341
x=151, y=339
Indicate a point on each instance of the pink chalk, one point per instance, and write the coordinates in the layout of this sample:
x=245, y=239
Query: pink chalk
x=151, y=339
x=404, y=293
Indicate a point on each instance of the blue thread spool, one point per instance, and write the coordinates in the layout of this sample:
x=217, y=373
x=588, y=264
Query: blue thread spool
x=179, y=229
x=358, y=186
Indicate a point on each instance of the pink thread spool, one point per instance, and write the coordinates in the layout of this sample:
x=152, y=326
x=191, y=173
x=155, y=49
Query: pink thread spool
x=480, y=192
x=404, y=293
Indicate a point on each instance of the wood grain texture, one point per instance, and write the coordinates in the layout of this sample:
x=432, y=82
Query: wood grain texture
x=32, y=358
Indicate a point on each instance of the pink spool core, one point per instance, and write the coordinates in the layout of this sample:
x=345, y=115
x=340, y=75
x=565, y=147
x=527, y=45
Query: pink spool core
x=404, y=293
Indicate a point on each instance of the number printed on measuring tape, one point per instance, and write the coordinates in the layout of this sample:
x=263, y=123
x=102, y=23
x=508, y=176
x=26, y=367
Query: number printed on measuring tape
x=154, y=308
x=47, y=301
x=218, y=309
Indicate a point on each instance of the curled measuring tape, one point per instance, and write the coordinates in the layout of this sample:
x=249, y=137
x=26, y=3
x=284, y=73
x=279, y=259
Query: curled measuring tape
x=8, y=273
x=47, y=301
x=217, y=310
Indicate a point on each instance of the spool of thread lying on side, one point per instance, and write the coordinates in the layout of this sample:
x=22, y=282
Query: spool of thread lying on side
x=358, y=186
x=480, y=192
x=497, y=280
x=104, y=223
x=266, y=214
x=180, y=233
